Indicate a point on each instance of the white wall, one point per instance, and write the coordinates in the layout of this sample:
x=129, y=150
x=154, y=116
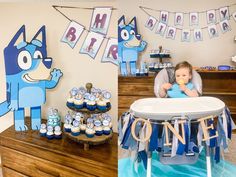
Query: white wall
x=78, y=69
x=208, y=52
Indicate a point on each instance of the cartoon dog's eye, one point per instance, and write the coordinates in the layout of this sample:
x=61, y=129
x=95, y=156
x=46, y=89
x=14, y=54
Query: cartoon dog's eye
x=125, y=34
x=38, y=54
x=132, y=32
x=24, y=60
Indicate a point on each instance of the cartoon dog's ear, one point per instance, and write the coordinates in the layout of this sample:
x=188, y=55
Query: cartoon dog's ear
x=133, y=22
x=41, y=37
x=121, y=21
x=20, y=32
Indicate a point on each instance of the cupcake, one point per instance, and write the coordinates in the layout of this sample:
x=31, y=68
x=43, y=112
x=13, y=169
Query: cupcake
x=86, y=99
x=82, y=128
x=89, y=132
x=75, y=130
x=106, y=98
x=79, y=102
x=91, y=104
x=67, y=124
x=70, y=100
x=43, y=130
x=57, y=132
x=98, y=128
x=101, y=105
x=106, y=128
x=50, y=134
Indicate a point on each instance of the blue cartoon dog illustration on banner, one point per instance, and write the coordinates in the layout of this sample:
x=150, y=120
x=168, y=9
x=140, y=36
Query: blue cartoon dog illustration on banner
x=129, y=45
x=28, y=74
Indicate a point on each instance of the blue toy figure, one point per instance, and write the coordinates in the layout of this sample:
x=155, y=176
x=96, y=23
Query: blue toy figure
x=129, y=45
x=27, y=69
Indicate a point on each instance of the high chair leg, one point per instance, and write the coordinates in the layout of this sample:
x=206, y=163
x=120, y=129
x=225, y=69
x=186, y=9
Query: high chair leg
x=149, y=164
x=208, y=161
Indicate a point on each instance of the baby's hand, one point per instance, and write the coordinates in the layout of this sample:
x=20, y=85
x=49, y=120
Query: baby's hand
x=183, y=87
x=166, y=86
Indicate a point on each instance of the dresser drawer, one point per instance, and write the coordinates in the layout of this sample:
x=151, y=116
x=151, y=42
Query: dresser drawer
x=34, y=166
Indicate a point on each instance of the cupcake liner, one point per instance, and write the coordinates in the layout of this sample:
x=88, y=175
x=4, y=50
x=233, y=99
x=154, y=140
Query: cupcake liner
x=67, y=130
x=99, y=133
x=69, y=104
x=90, y=135
x=75, y=133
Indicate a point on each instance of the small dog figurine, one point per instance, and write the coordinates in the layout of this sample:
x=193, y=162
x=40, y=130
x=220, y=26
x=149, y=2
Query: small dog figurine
x=129, y=45
x=27, y=78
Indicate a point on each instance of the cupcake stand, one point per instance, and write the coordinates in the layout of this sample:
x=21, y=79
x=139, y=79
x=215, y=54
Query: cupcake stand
x=168, y=109
x=82, y=138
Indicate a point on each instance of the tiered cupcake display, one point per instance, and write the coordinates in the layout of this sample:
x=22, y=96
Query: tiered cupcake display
x=52, y=130
x=92, y=99
x=88, y=123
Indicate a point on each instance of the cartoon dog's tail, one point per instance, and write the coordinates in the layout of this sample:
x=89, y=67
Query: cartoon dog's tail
x=4, y=108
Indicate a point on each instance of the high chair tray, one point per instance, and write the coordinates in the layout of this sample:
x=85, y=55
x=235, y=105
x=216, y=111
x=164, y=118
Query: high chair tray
x=167, y=108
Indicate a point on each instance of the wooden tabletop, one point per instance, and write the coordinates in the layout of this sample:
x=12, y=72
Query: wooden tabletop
x=100, y=159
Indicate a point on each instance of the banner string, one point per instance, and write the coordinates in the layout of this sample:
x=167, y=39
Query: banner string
x=205, y=27
x=157, y=10
x=70, y=7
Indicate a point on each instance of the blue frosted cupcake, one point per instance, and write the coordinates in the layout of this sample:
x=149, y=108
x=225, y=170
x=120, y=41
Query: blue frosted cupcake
x=75, y=130
x=98, y=128
x=101, y=105
x=106, y=128
x=91, y=104
x=67, y=124
x=79, y=102
x=106, y=98
x=57, y=132
x=43, y=130
x=50, y=134
x=89, y=132
x=70, y=102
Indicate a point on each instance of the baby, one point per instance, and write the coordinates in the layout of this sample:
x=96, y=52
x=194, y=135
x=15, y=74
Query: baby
x=182, y=86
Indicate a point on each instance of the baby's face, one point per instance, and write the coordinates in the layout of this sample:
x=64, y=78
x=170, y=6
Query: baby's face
x=182, y=74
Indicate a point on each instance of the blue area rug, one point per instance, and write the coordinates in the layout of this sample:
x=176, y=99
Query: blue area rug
x=222, y=169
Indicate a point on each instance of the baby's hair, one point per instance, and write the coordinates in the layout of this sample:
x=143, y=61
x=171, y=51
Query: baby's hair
x=184, y=64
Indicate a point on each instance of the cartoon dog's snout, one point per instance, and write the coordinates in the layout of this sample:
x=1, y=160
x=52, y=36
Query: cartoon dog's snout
x=47, y=62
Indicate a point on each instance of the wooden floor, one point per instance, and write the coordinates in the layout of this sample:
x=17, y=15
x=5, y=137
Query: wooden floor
x=228, y=156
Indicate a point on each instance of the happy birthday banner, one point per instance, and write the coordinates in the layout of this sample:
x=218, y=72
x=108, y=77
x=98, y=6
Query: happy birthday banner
x=96, y=34
x=161, y=26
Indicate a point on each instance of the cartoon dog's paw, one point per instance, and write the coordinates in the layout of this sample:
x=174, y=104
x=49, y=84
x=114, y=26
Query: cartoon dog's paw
x=143, y=44
x=56, y=73
x=20, y=125
x=35, y=124
x=13, y=105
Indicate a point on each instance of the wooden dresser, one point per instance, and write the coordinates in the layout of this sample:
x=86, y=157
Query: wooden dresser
x=28, y=154
x=220, y=84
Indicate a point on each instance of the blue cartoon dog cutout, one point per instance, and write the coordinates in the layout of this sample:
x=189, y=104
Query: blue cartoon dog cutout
x=28, y=70
x=129, y=45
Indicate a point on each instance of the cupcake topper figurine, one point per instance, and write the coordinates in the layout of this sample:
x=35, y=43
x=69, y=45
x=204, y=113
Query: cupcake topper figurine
x=90, y=125
x=50, y=111
x=105, y=123
x=92, y=98
x=82, y=90
x=107, y=95
x=43, y=126
x=50, y=128
x=73, y=92
x=68, y=118
x=76, y=123
x=108, y=118
x=90, y=120
x=97, y=123
x=57, y=128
